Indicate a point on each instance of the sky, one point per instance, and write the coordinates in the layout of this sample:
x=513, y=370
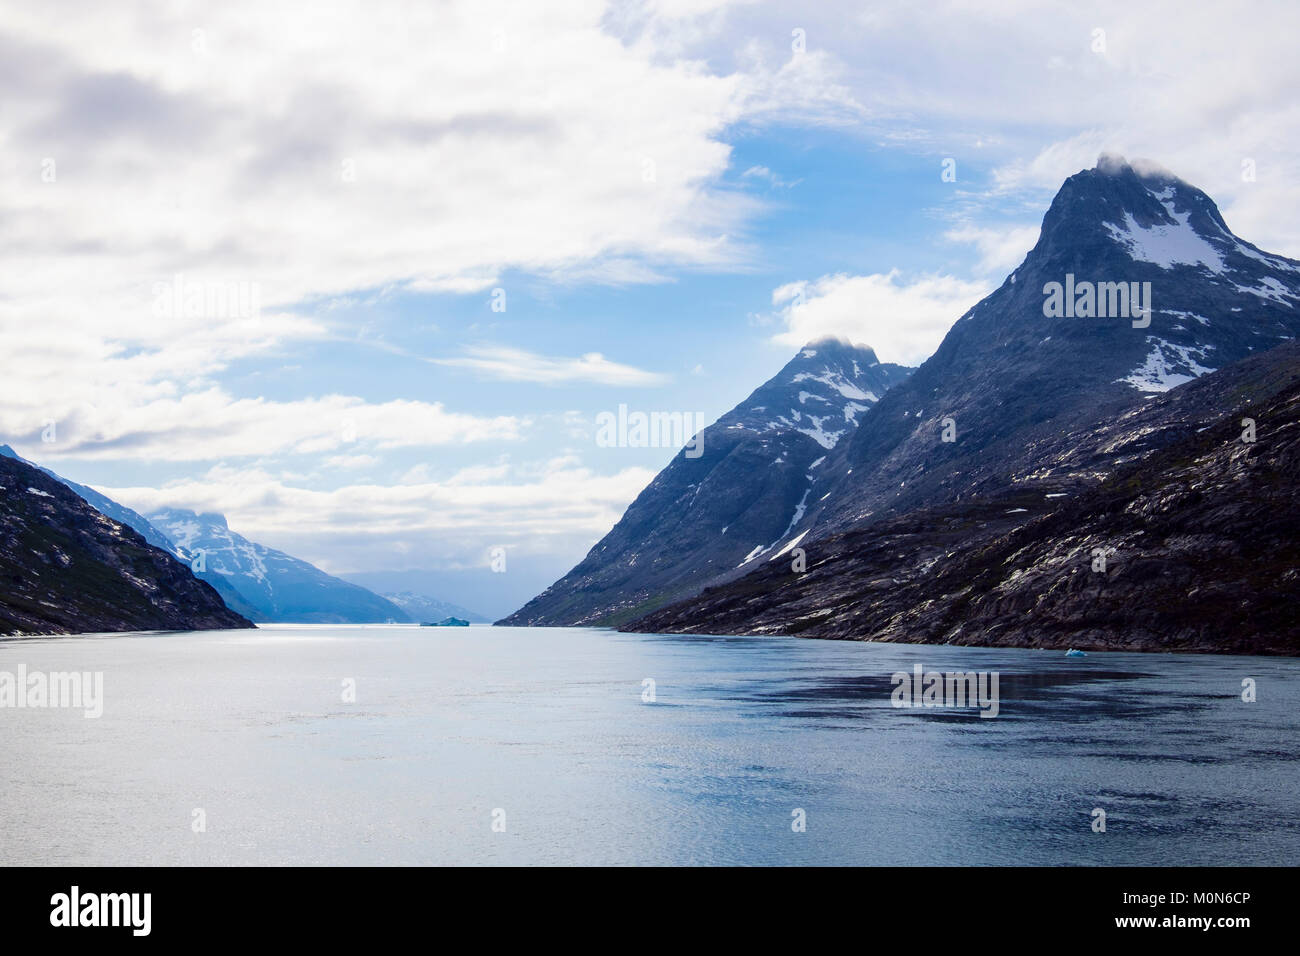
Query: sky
x=362, y=276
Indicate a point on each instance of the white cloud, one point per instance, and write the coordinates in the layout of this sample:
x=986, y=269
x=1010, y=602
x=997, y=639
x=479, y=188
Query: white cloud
x=533, y=509
x=382, y=145
x=518, y=365
x=211, y=424
x=385, y=145
x=1001, y=249
x=351, y=461
x=902, y=321
x=1024, y=89
x=325, y=164
x=762, y=172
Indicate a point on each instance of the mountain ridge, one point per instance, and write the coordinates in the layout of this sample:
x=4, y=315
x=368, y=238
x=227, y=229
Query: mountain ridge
x=732, y=504
x=421, y=608
x=69, y=569
x=279, y=586
x=1200, y=539
x=249, y=599
x=1025, y=402
x=1005, y=366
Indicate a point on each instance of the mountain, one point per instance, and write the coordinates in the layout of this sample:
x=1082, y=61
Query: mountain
x=733, y=505
x=491, y=593
x=1199, y=531
x=133, y=519
x=1013, y=379
x=1060, y=422
x=102, y=504
x=65, y=568
x=422, y=608
x=237, y=568
x=1071, y=408
x=277, y=586
x=136, y=521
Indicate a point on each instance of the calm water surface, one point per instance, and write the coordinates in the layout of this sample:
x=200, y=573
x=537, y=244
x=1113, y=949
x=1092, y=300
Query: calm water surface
x=549, y=726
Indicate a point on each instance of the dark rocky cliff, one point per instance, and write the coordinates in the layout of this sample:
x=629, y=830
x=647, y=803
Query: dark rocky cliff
x=733, y=506
x=65, y=568
x=1200, y=532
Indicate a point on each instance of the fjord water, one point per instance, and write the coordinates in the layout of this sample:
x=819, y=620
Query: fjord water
x=450, y=725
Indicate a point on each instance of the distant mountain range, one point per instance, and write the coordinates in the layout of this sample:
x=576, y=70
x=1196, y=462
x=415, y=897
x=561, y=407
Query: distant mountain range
x=67, y=568
x=257, y=582
x=488, y=594
x=133, y=519
x=278, y=586
x=1102, y=454
x=423, y=609
x=1092, y=403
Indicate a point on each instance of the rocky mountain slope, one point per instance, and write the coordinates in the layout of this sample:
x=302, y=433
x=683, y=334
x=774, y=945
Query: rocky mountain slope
x=243, y=591
x=735, y=504
x=136, y=521
x=1199, y=532
x=65, y=568
x=103, y=504
x=1013, y=379
x=277, y=586
x=1056, y=383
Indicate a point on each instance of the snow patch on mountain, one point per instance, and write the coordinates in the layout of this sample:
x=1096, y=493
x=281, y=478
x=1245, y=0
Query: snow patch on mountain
x=1167, y=245
x=799, y=511
x=1273, y=262
x=183, y=534
x=1186, y=315
x=827, y=439
x=852, y=410
x=276, y=585
x=838, y=382
x=815, y=428
x=1270, y=288
x=793, y=542
x=1167, y=366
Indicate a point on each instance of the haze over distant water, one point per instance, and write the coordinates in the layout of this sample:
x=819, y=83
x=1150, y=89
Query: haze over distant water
x=549, y=725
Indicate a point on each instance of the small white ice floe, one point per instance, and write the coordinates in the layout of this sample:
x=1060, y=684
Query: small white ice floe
x=1073, y=653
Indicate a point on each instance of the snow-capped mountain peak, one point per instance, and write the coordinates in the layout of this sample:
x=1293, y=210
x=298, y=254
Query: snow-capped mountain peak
x=738, y=501
x=1157, y=291
x=275, y=585
x=821, y=393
